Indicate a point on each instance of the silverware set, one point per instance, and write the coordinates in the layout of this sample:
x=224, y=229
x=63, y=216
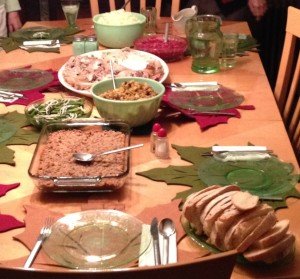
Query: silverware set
x=203, y=113
x=11, y=95
x=218, y=149
x=193, y=86
x=166, y=229
x=44, y=233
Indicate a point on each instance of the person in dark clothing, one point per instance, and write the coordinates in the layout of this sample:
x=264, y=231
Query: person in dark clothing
x=231, y=9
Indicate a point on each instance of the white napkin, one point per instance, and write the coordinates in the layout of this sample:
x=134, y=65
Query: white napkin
x=8, y=100
x=42, y=45
x=220, y=148
x=147, y=258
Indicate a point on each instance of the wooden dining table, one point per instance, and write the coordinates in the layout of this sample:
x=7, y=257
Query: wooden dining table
x=262, y=126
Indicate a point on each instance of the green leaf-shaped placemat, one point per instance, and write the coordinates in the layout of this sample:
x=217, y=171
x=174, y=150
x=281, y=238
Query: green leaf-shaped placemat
x=12, y=132
x=246, y=42
x=272, y=176
x=64, y=35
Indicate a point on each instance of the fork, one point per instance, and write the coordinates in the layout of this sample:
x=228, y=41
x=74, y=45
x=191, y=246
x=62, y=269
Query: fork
x=44, y=233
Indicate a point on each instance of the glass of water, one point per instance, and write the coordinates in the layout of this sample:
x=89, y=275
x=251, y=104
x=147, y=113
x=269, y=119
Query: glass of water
x=229, y=50
x=70, y=9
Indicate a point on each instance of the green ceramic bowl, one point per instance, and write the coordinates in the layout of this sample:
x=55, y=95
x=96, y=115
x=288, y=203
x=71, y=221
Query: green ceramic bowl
x=135, y=113
x=118, y=35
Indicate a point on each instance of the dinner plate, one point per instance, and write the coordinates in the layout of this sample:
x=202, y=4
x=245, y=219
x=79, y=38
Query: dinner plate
x=144, y=58
x=267, y=177
x=24, y=79
x=96, y=239
x=205, y=100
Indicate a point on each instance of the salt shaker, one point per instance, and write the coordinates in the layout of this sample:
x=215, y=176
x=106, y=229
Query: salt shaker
x=153, y=136
x=162, y=144
x=78, y=44
x=91, y=44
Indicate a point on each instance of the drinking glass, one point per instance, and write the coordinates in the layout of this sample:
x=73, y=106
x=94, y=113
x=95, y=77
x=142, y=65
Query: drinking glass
x=70, y=9
x=150, y=14
x=229, y=50
x=205, y=42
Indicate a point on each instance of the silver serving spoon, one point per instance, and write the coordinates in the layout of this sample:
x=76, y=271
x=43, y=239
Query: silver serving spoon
x=88, y=157
x=112, y=74
x=166, y=229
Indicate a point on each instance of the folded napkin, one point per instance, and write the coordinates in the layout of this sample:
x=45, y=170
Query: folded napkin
x=42, y=48
x=206, y=121
x=147, y=258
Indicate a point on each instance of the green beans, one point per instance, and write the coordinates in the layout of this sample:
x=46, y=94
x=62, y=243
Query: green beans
x=56, y=109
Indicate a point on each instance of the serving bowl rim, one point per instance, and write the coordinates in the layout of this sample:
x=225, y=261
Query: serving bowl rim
x=128, y=101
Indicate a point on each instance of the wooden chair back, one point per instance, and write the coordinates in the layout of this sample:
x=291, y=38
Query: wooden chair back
x=96, y=6
x=287, y=88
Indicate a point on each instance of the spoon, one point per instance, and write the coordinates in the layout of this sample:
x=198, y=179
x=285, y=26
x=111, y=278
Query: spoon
x=125, y=4
x=166, y=35
x=112, y=73
x=88, y=157
x=166, y=228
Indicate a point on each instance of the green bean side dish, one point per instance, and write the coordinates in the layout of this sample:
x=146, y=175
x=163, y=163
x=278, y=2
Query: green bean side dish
x=56, y=110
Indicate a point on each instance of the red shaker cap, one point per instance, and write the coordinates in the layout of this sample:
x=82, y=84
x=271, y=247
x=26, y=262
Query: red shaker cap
x=156, y=127
x=162, y=133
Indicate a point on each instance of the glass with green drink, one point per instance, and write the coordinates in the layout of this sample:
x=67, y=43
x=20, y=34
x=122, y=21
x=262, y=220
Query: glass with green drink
x=70, y=9
x=205, y=42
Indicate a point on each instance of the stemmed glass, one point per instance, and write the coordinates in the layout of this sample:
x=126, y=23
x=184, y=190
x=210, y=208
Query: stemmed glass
x=70, y=9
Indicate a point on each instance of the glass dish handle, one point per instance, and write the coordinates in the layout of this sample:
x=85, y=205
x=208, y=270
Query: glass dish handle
x=71, y=182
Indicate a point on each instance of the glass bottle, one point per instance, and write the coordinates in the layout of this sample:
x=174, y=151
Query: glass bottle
x=162, y=144
x=156, y=127
x=78, y=44
x=205, y=42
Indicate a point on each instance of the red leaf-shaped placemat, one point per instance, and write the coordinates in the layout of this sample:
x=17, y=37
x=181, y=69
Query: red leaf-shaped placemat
x=4, y=188
x=8, y=222
x=35, y=94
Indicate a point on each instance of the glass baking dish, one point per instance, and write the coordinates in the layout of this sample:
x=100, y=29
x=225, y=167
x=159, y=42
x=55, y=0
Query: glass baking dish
x=54, y=169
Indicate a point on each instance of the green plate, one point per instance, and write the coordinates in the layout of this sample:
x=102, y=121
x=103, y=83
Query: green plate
x=24, y=79
x=268, y=177
x=223, y=98
x=96, y=239
x=37, y=33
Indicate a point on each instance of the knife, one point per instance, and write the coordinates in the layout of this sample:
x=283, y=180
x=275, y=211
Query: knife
x=155, y=238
